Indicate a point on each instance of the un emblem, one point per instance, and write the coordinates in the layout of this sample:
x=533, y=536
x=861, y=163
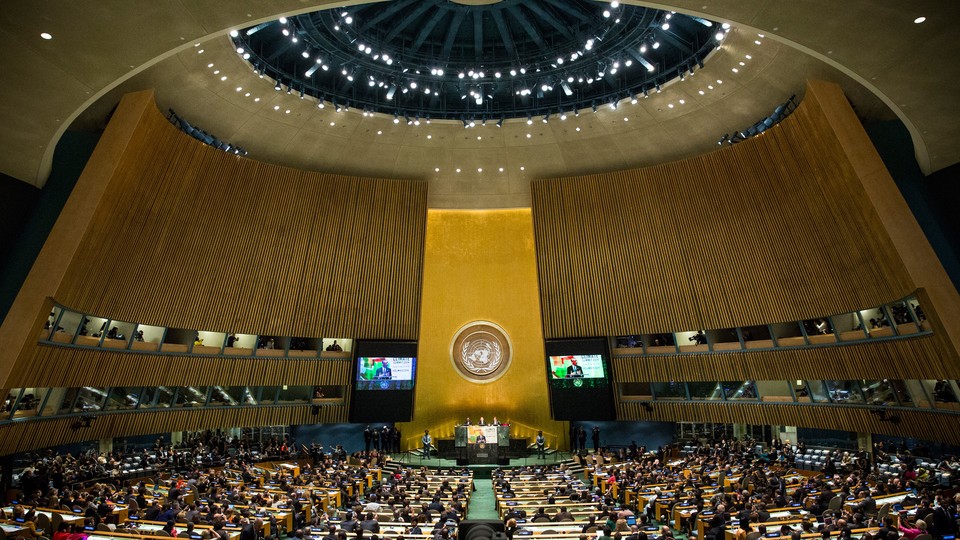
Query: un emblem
x=481, y=351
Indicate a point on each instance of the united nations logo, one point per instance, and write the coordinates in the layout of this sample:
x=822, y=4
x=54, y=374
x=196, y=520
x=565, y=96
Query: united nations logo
x=481, y=351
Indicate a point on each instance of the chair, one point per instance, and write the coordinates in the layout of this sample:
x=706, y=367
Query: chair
x=541, y=519
x=591, y=529
x=753, y=535
x=551, y=531
x=183, y=534
x=161, y=532
x=55, y=522
x=44, y=524
x=835, y=503
x=884, y=511
x=923, y=536
x=103, y=527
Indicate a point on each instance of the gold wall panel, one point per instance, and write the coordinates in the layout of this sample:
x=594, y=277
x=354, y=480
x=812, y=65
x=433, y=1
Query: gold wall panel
x=22, y=436
x=929, y=426
x=480, y=265
x=777, y=228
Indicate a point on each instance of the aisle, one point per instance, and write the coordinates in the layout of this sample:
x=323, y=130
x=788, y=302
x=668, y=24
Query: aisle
x=483, y=503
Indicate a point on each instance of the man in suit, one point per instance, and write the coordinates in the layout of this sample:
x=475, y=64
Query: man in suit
x=573, y=370
x=541, y=445
x=384, y=372
x=427, y=442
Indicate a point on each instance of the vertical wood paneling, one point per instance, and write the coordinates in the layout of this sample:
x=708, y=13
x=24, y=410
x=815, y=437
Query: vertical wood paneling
x=23, y=436
x=928, y=426
x=922, y=357
x=776, y=228
x=46, y=369
x=192, y=237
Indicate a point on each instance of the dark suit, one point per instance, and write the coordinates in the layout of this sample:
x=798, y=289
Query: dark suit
x=574, y=371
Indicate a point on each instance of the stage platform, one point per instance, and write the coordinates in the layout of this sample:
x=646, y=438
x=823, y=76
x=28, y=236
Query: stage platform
x=413, y=459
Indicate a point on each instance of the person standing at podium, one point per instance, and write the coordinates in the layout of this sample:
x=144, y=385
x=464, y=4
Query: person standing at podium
x=427, y=441
x=481, y=439
x=541, y=446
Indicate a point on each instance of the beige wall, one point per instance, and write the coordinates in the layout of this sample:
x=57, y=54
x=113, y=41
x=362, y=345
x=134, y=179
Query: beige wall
x=480, y=265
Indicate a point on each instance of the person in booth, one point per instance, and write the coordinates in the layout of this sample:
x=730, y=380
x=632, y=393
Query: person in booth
x=481, y=438
x=573, y=370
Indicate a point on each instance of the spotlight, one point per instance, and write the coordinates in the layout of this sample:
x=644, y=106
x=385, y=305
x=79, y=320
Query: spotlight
x=546, y=117
x=277, y=86
x=566, y=89
x=529, y=119
x=500, y=122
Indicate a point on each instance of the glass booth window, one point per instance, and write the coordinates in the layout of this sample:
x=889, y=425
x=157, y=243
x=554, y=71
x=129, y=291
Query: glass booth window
x=670, y=390
x=818, y=391
x=122, y=398
x=295, y=394
x=707, y=391
x=208, y=342
x=118, y=335
x=788, y=334
x=757, y=337
x=725, y=339
x=878, y=392
x=844, y=392
x=774, y=391
x=191, y=396
x=90, y=399
x=739, y=390
x=848, y=326
x=902, y=318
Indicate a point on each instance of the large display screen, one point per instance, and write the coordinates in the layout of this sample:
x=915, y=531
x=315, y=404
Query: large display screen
x=384, y=379
x=385, y=373
x=577, y=366
x=578, y=371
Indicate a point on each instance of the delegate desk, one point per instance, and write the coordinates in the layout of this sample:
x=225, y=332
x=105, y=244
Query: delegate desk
x=151, y=527
x=13, y=529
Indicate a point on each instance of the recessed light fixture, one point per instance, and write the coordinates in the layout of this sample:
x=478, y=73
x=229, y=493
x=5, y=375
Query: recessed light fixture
x=429, y=136
x=458, y=170
x=47, y=35
x=528, y=135
x=918, y=20
x=379, y=133
x=523, y=168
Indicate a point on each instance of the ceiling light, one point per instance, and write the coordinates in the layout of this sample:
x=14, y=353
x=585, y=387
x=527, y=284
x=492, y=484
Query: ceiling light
x=719, y=36
x=606, y=14
x=458, y=170
x=529, y=119
x=665, y=26
x=47, y=35
x=918, y=20
x=614, y=4
x=437, y=169
x=578, y=128
x=283, y=20
x=523, y=168
x=501, y=169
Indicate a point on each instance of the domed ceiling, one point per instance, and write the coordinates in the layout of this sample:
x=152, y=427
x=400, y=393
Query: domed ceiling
x=442, y=60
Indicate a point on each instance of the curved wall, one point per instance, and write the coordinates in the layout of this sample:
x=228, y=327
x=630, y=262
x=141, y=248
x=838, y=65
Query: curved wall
x=777, y=228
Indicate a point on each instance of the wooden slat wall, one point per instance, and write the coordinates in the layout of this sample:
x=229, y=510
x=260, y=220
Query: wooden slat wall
x=192, y=237
x=66, y=367
x=23, y=436
x=923, y=357
x=920, y=424
x=774, y=229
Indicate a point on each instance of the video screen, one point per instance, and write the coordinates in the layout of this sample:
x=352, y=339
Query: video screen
x=385, y=373
x=579, y=379
x=577, y=366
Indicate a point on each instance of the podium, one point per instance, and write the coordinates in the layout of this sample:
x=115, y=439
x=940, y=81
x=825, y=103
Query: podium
x=470, y=452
